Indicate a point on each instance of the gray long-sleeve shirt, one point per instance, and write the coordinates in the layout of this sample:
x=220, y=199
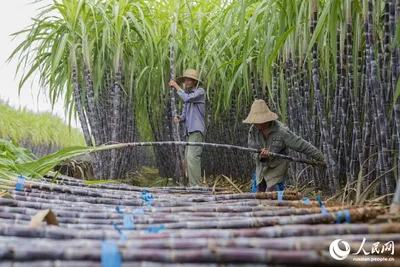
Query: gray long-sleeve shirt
x=194, y=110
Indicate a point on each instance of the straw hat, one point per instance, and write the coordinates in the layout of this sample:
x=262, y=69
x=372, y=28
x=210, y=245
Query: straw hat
x=190, y=73
x=260, y=113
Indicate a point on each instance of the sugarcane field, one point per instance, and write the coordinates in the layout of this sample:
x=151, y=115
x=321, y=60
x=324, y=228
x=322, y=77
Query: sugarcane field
x=200, y=133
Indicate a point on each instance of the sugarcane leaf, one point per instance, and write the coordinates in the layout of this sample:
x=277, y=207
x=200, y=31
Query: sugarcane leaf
x=361, y=177
x=274, y=53
x=59, y=52
x=6, y=195
x=371, y=187
x=397, y=35
x=320, y=25
x=48, y=215
x=396, y=93
x=381, y=198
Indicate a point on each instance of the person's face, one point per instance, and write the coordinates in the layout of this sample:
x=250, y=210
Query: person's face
x=261, y=125
x=258, y=126
x=189, y=83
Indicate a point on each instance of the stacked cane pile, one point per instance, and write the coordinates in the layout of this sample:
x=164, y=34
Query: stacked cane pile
x=70, y=223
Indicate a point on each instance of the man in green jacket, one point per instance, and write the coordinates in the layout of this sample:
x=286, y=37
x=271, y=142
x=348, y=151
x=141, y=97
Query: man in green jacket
x=270, y=135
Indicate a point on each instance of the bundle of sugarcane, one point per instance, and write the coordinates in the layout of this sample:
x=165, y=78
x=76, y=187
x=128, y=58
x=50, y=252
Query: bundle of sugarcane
x=286, y=243
x=181, y=222
x=100, y=214
x=40, y=263
x=355, y=215
x=52, y=232
x=196, y=228
x=211, y=254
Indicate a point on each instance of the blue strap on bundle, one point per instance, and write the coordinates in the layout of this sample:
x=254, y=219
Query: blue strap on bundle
x=323, y=209
x=110, y=256
x=138, y=212
x=339, y=218
x=347, y=214
x=128, y=222
x=152, y=229
x=280, y=193
x=128, y=219
x=122, y=237
x=117, y=208
x=254, y=187
x=306, y=201
x=148, y=198
x=20, y=183
x=282, y=184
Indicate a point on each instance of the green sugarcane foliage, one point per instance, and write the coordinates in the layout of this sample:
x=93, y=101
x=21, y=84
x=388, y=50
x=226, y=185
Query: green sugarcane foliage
x=234, y=45
x=42, y=133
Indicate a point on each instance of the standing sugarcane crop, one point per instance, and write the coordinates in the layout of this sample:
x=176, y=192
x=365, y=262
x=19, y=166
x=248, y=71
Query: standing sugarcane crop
x=268, y=134
x=193, y=114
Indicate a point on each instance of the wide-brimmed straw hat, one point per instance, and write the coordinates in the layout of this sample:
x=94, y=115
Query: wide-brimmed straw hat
x=260, y=113
x=190, y=73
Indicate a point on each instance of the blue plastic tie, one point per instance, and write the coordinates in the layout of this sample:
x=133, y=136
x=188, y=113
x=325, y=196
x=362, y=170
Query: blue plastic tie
x=339, y=218
x=128, y=222
x=121, y=235
x=117, y=208
x=20, y=183
x=306, y=200
x=152, y=229
x=323, y=209
x=280, y=195
x=110, y=256
x=117, y=228
x=347, y=213
x=138, y=212
x=148, y=199
x=254, y=186
x=283, y=183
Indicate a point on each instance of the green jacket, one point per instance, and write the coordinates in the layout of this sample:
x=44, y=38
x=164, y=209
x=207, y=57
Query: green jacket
x=279, y=140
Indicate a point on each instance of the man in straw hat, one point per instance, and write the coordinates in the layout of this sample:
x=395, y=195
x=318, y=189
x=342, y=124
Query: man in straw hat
x=193, y=115
x=270, y=135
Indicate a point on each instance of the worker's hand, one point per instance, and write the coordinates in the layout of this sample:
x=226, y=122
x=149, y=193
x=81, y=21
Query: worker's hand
x=174, y=84
x=176, y=119
x=264, y=153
